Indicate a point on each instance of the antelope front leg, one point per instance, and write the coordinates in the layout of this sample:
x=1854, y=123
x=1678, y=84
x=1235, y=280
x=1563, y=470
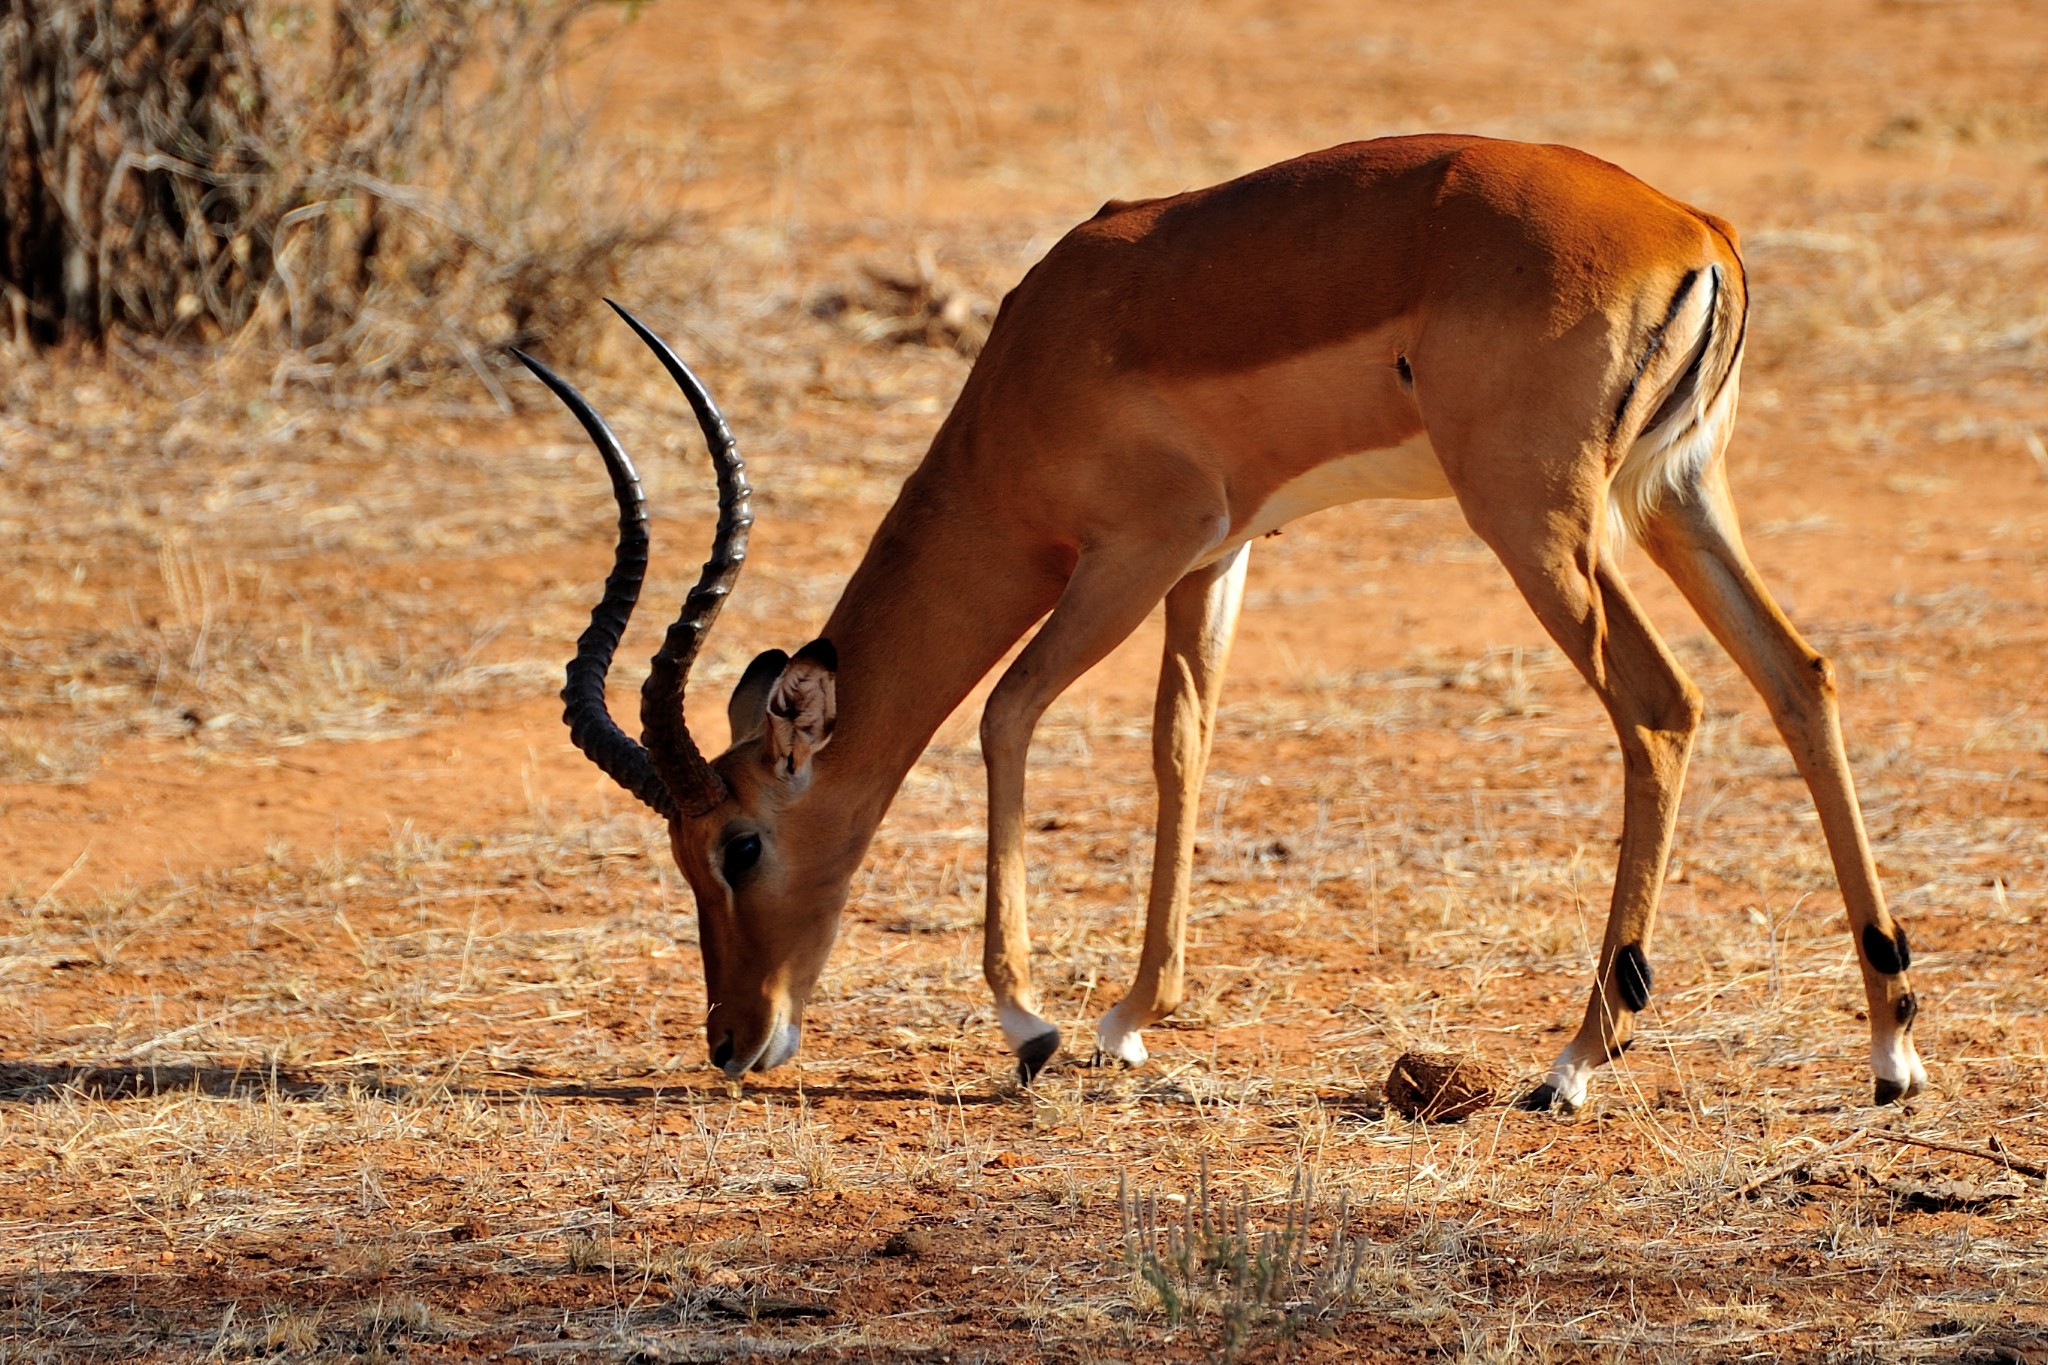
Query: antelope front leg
x=1201, y=618
x=1112, y=590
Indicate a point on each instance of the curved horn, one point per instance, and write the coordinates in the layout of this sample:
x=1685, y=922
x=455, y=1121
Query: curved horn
x=696, y=785
x=591, y=727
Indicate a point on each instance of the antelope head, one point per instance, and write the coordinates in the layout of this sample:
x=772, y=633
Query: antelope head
x=766, y=921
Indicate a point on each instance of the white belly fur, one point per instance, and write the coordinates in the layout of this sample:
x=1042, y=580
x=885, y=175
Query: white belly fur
x=1409, y=471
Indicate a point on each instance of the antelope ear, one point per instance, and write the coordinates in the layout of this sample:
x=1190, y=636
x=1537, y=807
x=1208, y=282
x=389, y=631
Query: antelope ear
x=747, y=712
x=801, y=709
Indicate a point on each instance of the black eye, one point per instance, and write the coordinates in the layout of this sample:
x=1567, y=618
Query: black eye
x=740, y=856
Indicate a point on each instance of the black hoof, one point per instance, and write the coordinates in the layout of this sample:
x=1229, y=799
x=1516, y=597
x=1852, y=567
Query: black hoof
x=1541, y=1100
x=1035, y=1053
x=1889, y=1092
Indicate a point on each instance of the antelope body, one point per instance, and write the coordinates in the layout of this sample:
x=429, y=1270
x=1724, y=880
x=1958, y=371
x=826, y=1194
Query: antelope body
x=1525, y=328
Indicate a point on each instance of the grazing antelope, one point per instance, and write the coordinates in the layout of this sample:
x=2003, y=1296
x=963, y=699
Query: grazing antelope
x=1525, y=328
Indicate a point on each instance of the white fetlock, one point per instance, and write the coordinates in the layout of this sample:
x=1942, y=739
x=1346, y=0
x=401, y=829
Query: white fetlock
x=1568, y=1081
x=1119, y=1040
x=1021, y=1026
x=1896, y=1063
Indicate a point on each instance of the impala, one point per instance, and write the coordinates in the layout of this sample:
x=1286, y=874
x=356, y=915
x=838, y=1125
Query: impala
x=1527, y=329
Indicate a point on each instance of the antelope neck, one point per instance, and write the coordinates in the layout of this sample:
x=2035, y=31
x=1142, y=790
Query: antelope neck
x=948, y=584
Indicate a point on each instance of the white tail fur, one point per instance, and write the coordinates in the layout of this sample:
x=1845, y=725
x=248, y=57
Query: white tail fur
x=1670, y=454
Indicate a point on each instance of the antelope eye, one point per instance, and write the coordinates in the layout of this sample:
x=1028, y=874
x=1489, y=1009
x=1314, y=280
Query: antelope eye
x=739, y=857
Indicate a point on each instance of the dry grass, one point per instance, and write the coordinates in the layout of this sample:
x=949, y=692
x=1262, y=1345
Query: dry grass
x=310, y=1075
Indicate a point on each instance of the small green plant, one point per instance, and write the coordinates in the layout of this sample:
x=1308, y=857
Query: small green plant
x=1217, y=1262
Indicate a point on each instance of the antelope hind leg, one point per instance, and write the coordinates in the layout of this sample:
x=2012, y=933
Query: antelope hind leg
x=1697, y=541
x=1656, y=711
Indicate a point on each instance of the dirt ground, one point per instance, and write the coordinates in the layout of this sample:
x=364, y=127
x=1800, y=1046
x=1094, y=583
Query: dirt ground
x=347, y=1013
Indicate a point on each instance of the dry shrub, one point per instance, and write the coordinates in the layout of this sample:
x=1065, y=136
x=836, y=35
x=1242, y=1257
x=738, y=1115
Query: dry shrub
x=1974, y=124
x=387, y=186
x=913, y=304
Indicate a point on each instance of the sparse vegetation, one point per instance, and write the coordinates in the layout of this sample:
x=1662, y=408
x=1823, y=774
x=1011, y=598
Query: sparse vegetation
x=1255, y=1281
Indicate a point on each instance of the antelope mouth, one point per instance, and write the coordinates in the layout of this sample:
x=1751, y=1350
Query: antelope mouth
x=777, y=1046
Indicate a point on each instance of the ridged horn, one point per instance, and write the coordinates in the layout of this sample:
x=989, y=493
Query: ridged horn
x=591, y=727
x=695, y=785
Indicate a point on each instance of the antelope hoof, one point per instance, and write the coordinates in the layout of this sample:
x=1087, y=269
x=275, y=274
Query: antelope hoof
x=1034, y=1053
x=1900, y=1073
x=1030, y=1037
x=1562, y=1091
x=1117, y=1042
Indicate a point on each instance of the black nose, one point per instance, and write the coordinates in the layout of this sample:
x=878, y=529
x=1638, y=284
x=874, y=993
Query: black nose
x=722, y=1054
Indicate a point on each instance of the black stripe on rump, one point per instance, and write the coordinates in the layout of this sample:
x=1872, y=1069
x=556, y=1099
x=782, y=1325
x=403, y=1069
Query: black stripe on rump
x=1650, y=352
